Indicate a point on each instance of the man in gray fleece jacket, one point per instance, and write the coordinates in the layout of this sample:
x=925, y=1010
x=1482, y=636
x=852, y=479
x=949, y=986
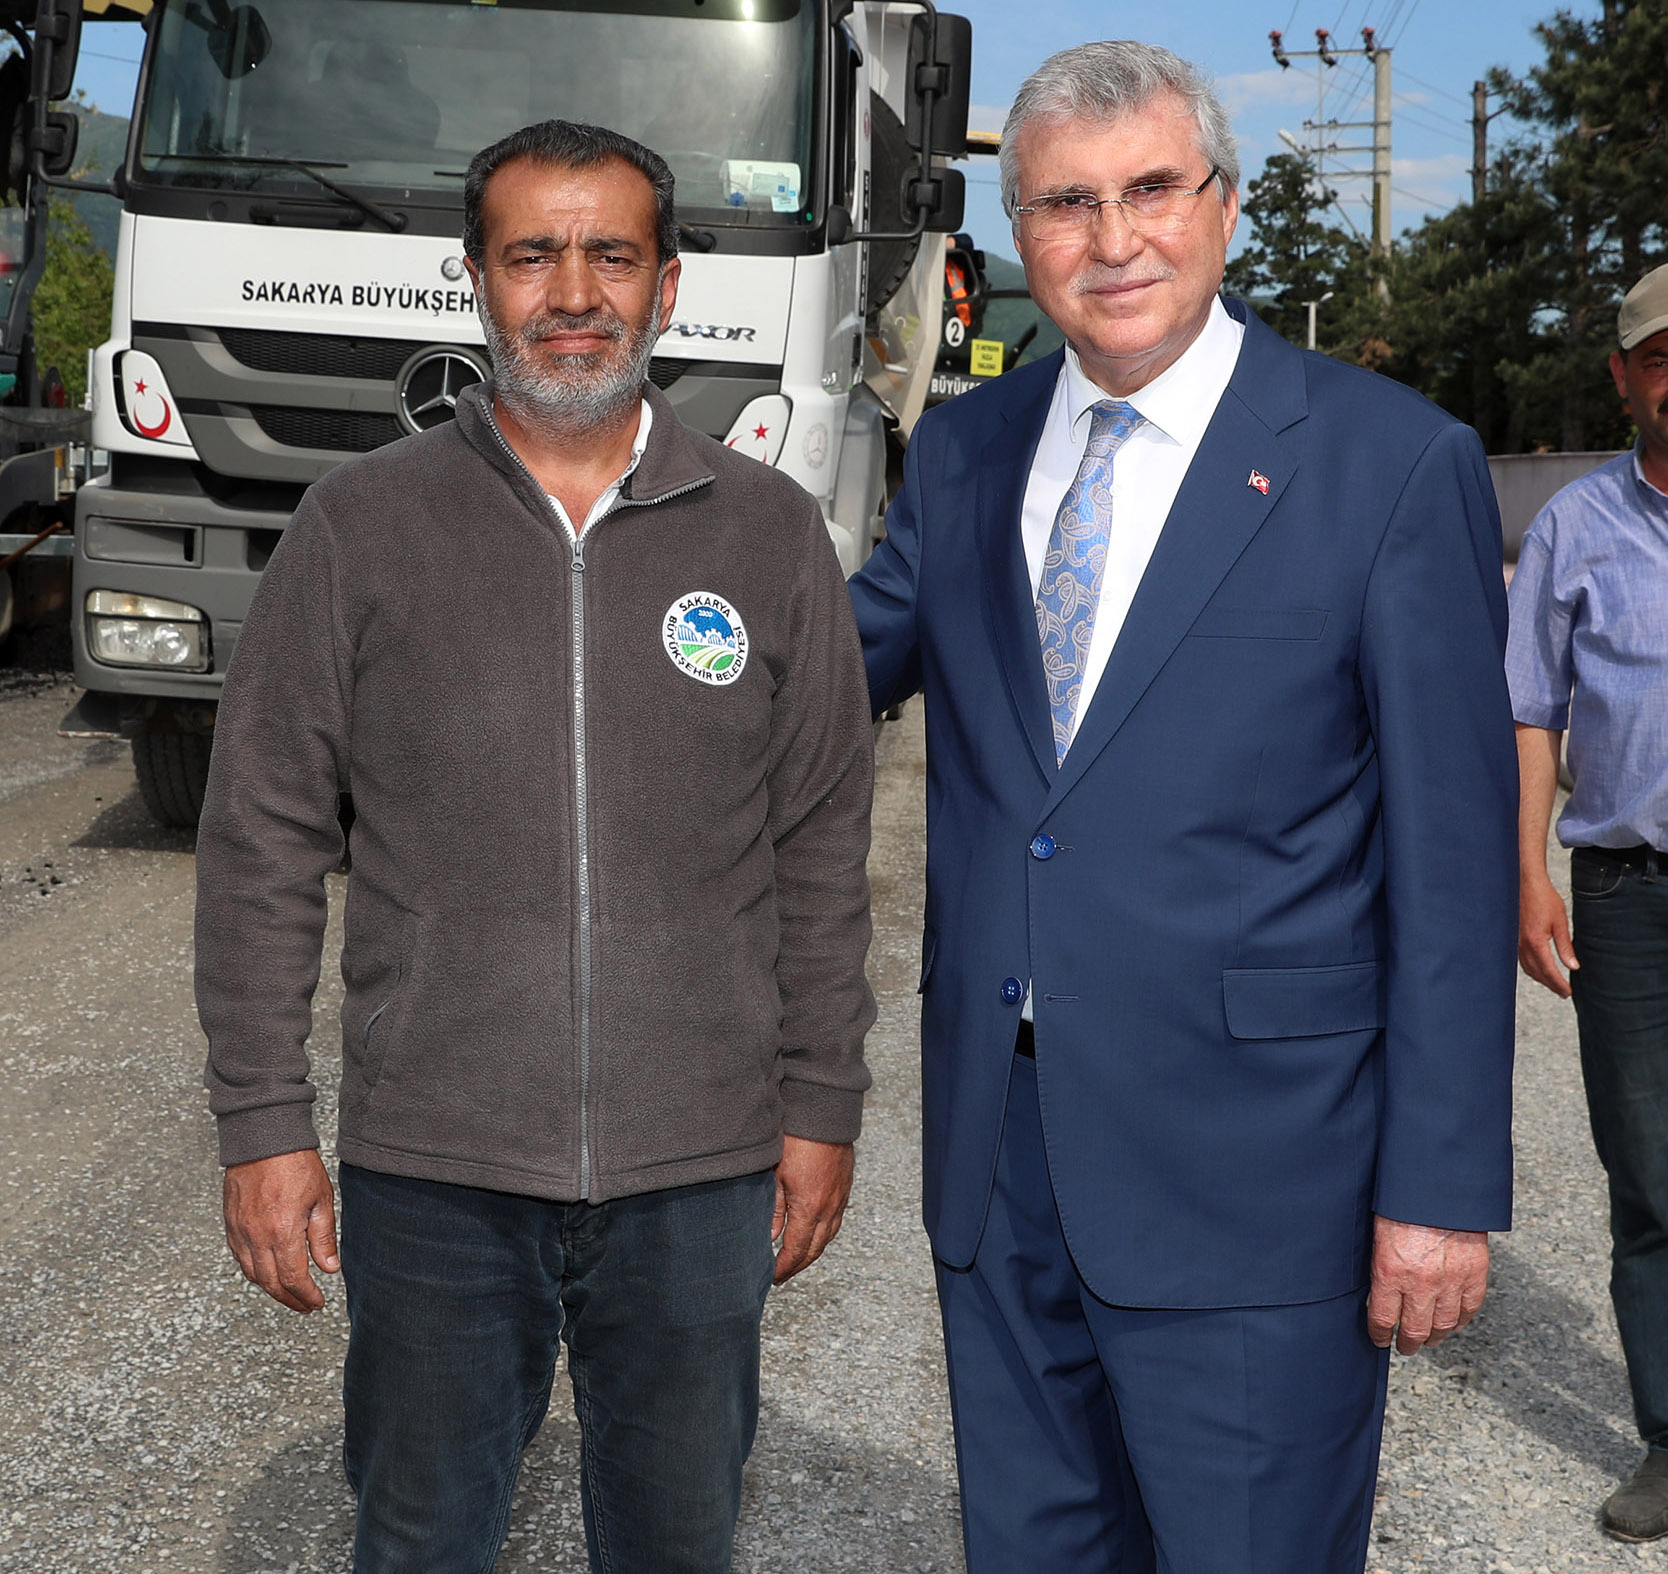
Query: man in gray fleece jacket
x=593, y=683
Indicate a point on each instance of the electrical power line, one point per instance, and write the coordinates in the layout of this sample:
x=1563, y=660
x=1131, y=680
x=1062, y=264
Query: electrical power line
x=1413, y=9
x=1413, y=196
x=1431, y=87
x=1435, y=125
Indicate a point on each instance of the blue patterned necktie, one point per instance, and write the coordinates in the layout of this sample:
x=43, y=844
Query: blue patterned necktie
x=1069, y=592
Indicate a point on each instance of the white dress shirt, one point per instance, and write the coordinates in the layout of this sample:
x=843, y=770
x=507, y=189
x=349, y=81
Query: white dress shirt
x=611, y=493
x=1147, y=471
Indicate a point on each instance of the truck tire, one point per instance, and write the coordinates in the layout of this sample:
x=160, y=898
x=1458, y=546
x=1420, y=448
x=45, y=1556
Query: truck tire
x=172, y=768
x=891, y=158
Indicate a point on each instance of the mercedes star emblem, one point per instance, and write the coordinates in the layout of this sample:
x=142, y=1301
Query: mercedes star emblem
x=427, y=388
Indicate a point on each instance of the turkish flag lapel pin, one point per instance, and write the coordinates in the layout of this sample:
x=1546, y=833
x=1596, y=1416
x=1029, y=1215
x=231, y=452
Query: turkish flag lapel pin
x=1260, y=481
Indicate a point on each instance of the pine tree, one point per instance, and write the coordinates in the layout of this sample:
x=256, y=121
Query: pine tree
x=1295, y=255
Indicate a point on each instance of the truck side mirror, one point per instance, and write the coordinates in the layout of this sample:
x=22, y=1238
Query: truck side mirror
x=15, y=121
x=57, y=44
x=56, y=143
x=945, y=68
x=942, y=196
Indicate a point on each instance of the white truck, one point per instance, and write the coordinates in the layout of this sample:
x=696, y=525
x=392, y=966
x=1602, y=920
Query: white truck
x=290, y=289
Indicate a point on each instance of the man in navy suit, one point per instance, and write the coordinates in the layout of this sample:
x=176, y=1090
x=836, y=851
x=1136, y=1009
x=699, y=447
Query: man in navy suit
x=1217, y=976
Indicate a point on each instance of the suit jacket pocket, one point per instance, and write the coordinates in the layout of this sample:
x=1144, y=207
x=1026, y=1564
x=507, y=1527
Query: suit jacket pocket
x=1304, y=1002
x=1259, y=623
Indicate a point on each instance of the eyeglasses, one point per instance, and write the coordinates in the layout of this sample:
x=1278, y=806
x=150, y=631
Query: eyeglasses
x=1145, y=208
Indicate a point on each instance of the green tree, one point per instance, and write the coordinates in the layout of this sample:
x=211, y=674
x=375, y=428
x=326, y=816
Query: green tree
x=1597, y=101
x=72, y=304
x=1294, y=254
x=1467, y=318
x=1503, y=311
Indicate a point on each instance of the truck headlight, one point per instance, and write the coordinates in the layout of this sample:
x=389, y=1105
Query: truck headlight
x=142, y=631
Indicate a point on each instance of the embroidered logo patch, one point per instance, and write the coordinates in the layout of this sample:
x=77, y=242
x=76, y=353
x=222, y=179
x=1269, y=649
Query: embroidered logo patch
x=705, y=637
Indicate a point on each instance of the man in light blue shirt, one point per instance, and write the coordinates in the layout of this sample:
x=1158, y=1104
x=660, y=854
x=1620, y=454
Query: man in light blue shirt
x=1588, y=651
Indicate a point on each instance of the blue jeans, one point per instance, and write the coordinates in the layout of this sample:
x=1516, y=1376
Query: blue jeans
x=456, y=1301
x=1621, y=1007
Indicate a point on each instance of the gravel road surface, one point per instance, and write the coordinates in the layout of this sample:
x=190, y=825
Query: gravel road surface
x=162, y=1415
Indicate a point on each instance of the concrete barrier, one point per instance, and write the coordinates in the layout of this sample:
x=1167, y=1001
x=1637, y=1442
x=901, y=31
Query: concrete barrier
x=1525, y=483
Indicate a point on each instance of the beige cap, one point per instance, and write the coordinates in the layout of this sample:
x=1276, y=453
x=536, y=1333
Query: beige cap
x=1645, y=310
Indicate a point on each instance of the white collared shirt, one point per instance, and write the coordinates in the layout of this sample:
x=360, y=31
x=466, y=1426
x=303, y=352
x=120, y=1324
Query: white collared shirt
x=1146, y=474
x=606, y=501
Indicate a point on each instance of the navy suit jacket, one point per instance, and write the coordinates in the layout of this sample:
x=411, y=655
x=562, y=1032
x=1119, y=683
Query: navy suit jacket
x=1273, y=948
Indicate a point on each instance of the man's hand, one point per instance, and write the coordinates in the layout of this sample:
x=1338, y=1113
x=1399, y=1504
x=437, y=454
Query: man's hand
x=1426, y=1283
x=1543, y=926
x=1543, y=934
x=813, y=1182
x=279, y=1210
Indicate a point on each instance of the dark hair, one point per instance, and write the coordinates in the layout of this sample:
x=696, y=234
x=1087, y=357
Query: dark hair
x=566, y=144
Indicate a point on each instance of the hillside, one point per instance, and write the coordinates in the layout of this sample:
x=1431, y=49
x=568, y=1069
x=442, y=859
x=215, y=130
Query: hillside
x=102, y=147
x=1007, y=320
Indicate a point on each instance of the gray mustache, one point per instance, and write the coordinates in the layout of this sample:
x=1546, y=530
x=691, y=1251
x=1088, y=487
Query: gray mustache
x=559, y=322
x=1099, y=278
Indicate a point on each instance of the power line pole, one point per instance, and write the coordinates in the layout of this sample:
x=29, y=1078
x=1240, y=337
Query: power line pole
x=1327, y=55
x=1380, y=56
x=1479, y=142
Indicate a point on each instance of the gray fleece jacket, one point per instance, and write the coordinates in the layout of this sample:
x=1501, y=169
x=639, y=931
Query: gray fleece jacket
x=607, y=914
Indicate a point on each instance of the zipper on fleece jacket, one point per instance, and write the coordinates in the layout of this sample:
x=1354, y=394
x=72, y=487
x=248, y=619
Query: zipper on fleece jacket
x=581, y=775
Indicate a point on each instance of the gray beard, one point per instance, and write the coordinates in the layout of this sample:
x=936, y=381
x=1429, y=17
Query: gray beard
x=570, y=396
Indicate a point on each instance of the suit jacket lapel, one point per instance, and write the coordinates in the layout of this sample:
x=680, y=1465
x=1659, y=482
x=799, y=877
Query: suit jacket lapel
x=1217, y=512
x=1008, y=600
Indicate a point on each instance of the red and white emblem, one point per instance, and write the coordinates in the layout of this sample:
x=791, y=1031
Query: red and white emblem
x=1260, y=481
x=146, y=399
x=759, y=429
x=147, y=405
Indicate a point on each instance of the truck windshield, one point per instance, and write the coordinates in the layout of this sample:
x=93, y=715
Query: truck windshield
x=393, y=97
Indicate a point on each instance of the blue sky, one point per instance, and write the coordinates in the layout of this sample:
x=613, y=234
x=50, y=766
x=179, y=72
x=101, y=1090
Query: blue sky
x=1439, y=48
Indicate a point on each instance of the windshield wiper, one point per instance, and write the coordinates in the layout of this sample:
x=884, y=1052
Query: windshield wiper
x=390, y=220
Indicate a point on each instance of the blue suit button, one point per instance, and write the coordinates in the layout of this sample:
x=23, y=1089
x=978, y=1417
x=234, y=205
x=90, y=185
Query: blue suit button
x=1042, y=845
x=1012, y=991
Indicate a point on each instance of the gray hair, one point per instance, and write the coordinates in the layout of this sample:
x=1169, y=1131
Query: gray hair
x=1105, y=81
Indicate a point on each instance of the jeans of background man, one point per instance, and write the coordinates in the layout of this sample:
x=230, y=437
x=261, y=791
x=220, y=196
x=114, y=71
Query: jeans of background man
x=1620, y=920
x=457, y=1298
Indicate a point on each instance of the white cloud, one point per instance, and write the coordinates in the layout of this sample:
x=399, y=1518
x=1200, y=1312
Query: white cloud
x=1253, y=89
x=1445, y=167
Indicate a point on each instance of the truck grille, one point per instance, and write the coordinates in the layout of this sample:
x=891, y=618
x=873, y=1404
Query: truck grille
x=288, y=384
x=319, y=355
x=340, y=431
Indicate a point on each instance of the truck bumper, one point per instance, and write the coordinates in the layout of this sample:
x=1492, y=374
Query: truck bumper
x=177, y=547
